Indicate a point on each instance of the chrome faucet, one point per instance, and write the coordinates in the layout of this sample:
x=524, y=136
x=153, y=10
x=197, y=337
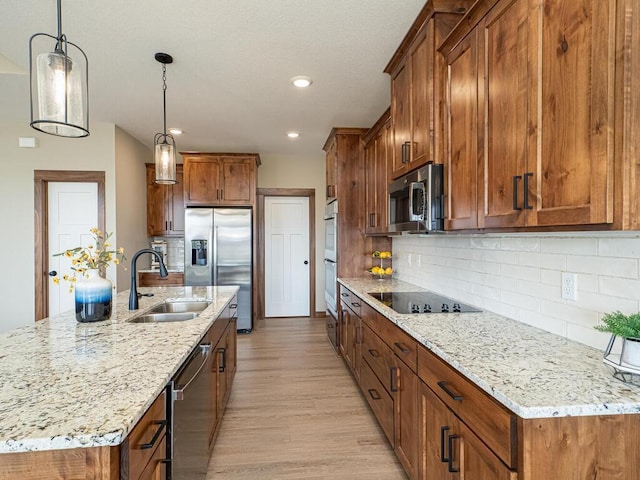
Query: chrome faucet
x=133, y=294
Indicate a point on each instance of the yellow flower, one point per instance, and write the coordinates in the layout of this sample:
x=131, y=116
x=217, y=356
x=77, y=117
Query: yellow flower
x=121, y=250
x=90, y=247
x=65, y=277
x=106, y=244
x=56, y=280
x=116, y=261
x=68, y=253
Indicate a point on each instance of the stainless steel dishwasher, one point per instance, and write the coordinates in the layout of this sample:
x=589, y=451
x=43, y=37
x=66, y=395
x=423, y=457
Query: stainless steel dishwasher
x=191, y=410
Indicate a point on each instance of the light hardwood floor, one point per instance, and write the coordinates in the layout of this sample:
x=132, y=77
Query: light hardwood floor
x=295, y=412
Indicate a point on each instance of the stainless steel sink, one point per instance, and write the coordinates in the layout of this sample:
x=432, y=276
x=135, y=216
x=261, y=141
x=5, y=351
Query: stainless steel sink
x=180, y=307
x=164, y=317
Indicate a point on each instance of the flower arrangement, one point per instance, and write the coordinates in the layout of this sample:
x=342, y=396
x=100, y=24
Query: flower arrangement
x=91, y=257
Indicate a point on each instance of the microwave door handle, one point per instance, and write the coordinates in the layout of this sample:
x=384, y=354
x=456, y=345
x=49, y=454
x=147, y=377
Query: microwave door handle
x=411, y=196
x=417, y=195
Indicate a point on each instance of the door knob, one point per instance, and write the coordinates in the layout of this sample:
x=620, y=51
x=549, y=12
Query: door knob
x=306, y=262
x=53, y=273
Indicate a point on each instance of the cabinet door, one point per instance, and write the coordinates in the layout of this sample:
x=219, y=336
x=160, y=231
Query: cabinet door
x=357, y=346
x=238, y=181
x=377, y=154
x=572, y=112
x=343, y=333
x=421, y=98
x=157, y=222
x=201, y=180
x=503, y=89
x=405, y=387
x=451, y=450
x=401, y=118
x=370, y=183
x=380, y=401
x=177, y=203
x=461, y=136
x=332, y=171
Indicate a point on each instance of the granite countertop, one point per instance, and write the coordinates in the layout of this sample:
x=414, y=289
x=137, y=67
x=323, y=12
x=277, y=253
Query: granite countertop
x=65, y=384
x=534, y=373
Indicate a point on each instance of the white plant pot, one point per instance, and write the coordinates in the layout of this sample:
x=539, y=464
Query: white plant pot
x=631, y=351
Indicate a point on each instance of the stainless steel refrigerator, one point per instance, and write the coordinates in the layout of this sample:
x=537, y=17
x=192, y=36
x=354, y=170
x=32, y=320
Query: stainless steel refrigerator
x=218, y=251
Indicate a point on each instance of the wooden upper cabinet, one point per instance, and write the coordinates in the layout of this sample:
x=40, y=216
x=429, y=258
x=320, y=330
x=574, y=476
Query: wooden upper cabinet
x=545, y=116
x=332, y=170
x=165, y=205
x=571, y=154
x=377, y=163
x=412, y=105
x=220, y=179
x=461, y=136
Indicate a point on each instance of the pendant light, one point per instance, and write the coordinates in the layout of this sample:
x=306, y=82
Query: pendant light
x=164, y=144
x=58, y=71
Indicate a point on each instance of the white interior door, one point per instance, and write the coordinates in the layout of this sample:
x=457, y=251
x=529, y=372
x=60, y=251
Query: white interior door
x=73, y=210
x=286, y=261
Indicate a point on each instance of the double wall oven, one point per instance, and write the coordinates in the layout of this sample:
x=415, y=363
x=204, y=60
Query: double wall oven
x=331, y=268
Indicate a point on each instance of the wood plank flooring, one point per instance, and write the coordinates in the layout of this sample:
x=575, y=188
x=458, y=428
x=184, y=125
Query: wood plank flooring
x=295, y=412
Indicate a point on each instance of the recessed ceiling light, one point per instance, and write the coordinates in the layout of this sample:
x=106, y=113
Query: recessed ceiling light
x=175, y=131
x=293, y=134
x=301, y=81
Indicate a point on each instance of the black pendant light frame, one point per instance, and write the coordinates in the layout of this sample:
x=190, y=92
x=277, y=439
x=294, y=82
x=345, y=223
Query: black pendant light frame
x=164, y=138
x=61, y=48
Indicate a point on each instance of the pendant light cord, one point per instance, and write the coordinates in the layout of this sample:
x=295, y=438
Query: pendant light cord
x=59, y=20
x=164, y=95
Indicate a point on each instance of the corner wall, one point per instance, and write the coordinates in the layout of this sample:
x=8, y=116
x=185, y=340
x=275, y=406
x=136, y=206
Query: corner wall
x=519, y=275
x=131, y=200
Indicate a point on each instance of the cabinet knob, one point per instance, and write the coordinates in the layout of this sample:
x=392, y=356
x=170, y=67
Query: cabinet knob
x=306, y=262
x=53, y=273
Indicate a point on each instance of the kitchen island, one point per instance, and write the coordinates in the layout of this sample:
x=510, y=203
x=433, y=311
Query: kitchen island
x=485, y=395
x=69, y=385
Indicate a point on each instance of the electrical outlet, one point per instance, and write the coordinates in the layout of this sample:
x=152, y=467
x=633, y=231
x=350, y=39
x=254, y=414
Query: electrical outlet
x=569, y=286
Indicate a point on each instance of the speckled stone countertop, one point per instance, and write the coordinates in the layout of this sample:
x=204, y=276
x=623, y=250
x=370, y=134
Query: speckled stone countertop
x=65, y=384
x=534, y=373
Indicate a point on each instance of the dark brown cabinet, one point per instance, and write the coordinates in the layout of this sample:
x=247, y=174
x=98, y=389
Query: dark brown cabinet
x=220, y=179
x=412, y=105
x=377, y=154
x=153, y=279
x=165, y=205
x=531, y=102
x=351, y=334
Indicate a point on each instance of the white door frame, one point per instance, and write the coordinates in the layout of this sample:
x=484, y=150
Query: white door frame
x=287, y=192
x=41, y=226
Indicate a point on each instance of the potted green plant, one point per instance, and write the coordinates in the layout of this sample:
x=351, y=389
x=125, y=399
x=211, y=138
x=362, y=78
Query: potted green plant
x=628, y=328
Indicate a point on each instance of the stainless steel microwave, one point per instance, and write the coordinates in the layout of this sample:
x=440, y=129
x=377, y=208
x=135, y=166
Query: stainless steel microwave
x=416, y=201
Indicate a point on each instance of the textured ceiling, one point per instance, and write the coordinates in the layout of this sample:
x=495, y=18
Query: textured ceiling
x=228, y=87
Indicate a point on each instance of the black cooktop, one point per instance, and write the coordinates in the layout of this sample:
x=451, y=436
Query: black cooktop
x=421, y=302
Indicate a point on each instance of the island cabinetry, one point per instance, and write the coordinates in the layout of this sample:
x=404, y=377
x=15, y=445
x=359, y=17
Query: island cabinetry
x=220, y=179
x=222, y=336
x=143, y=452
x=377, y=151
x=541, y=129
x=165, y=205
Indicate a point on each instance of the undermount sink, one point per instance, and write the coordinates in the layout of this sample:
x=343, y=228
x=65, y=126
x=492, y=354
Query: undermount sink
x=164, y=317
x=180, y=307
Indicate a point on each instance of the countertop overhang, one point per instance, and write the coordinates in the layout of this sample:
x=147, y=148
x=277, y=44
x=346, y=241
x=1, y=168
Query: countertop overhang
x=534, y=373
x=65, y=384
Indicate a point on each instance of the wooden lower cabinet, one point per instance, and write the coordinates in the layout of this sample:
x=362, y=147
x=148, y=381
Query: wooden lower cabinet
x=379, y=400
x=450, y=449
x=406, y=410
x=153, y=279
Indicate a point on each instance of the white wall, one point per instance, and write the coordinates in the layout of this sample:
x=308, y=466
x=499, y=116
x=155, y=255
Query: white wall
x=131, y=200
x=519, y=275
x=95, y=153
x=281, y=171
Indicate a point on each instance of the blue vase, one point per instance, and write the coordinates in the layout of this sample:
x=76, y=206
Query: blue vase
x=93, y=297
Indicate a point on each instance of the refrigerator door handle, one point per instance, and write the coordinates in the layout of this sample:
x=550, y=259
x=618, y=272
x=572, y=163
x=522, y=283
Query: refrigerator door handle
x=214, y=264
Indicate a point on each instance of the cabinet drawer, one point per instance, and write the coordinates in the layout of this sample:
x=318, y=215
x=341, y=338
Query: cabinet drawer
x=492, y=422
x=153, y=279
x=379, y=400
x=144, y=442
x=379, y=357
x=402, y=344
x=352, y=301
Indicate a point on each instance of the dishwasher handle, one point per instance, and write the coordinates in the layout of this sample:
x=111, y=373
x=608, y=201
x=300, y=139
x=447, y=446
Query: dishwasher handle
x=205, y=350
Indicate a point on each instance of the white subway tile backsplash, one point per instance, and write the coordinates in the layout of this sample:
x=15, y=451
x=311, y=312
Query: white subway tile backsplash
x=619, y=267
x=519, y=275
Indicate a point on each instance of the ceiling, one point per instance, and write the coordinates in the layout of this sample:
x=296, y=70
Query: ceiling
x=228, y=87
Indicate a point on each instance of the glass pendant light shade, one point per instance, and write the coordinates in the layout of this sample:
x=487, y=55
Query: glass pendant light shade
x=165, y=159
x=59, y=86
x=164, y=144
